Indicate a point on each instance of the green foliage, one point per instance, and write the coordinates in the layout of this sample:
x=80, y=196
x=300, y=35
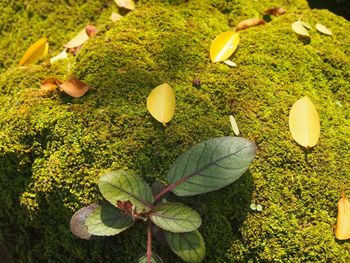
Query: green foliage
x=189, y=246
x=175, y=217
x=211, y=165
x=134, y=200
x=52, y=148
x=124, y=186
x=107, y=221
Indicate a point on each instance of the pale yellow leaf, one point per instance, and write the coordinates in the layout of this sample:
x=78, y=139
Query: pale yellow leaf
x=74, y=87
x=161, y=103
x=127, y=4
x=342, y=230
x=115, y=17
x=36, y=51
x=78, y=40
x=230, y=63
x=62, y=55
x=300, y=29
x=321, y=28
x=234, y=125
x=223, y=46
x=304, y=122
x=306, y=25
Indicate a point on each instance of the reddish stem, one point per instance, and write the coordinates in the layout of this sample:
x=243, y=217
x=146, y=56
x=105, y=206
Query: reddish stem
x=149, y=242
x=166, y=190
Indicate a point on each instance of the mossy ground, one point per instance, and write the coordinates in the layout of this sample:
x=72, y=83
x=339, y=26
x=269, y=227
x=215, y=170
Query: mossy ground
x=54, y=148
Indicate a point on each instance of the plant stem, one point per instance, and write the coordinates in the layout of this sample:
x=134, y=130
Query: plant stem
x=167, y=189
x=149, y=241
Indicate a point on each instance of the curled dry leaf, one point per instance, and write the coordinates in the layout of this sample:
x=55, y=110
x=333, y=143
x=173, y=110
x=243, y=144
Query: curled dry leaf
x=62, y=55
x=234, y=125
x=115, y=17
x=50, y=83
x=249, y=23
x=81, y=37
x=342, y=230
x=300, y=29
x=230, y=63
x=275, y=11
x=304, y=122
x=161, y=103
x=324, y=30
x=223, y=46
x=91, y=30
x=36, y=51
x=127, y=4
x=74, y=87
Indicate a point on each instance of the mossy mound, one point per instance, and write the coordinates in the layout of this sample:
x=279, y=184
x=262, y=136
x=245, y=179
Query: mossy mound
x=54, y=148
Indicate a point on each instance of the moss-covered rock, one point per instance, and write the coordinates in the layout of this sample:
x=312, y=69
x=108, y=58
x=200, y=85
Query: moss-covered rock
x=53, y=148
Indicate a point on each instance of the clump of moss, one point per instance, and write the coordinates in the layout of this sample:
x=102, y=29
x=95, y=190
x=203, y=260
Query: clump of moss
x=53, y=148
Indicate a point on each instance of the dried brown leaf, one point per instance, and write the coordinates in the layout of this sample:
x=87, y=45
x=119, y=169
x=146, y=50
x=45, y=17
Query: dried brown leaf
x=74, y=87
x=50, y=83
x=249, y=23
x=91, y=30
x=275, y=11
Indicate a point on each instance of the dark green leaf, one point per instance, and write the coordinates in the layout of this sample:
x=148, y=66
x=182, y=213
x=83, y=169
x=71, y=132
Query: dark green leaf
x=77, y=223
x=211, y=165
x=189, y=246
x=107, y=220
x=175, y=217
x=154, y=259
x=125, y=186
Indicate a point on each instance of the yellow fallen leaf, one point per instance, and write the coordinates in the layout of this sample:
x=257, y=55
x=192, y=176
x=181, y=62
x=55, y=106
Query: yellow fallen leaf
x=78, y=40
x=304, y=24
x=115, y=17
x=230, y=63
x=127, y=4
x=36, y=51
x=342, y=230
x=321, y=28
x=234, y=125
x=62, y=55
x=74, y=87
x=300, y=29
x=161, y=103
x=249, y=23
x=304, y=122
x=223, y=46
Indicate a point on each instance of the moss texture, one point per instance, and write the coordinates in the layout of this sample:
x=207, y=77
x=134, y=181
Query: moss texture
x=54, y=148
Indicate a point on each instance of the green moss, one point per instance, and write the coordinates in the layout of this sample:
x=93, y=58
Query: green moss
x=54, y=148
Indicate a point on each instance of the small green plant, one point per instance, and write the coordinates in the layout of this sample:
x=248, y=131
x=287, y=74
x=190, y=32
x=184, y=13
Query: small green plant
x=206, y=167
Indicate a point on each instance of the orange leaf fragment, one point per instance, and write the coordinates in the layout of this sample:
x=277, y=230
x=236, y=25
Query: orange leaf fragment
x=275, y=11
x=249, y=23
x=91, y=30
x=36, y=51
x=74, y=87
x=50, y=83
x=342, y=230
